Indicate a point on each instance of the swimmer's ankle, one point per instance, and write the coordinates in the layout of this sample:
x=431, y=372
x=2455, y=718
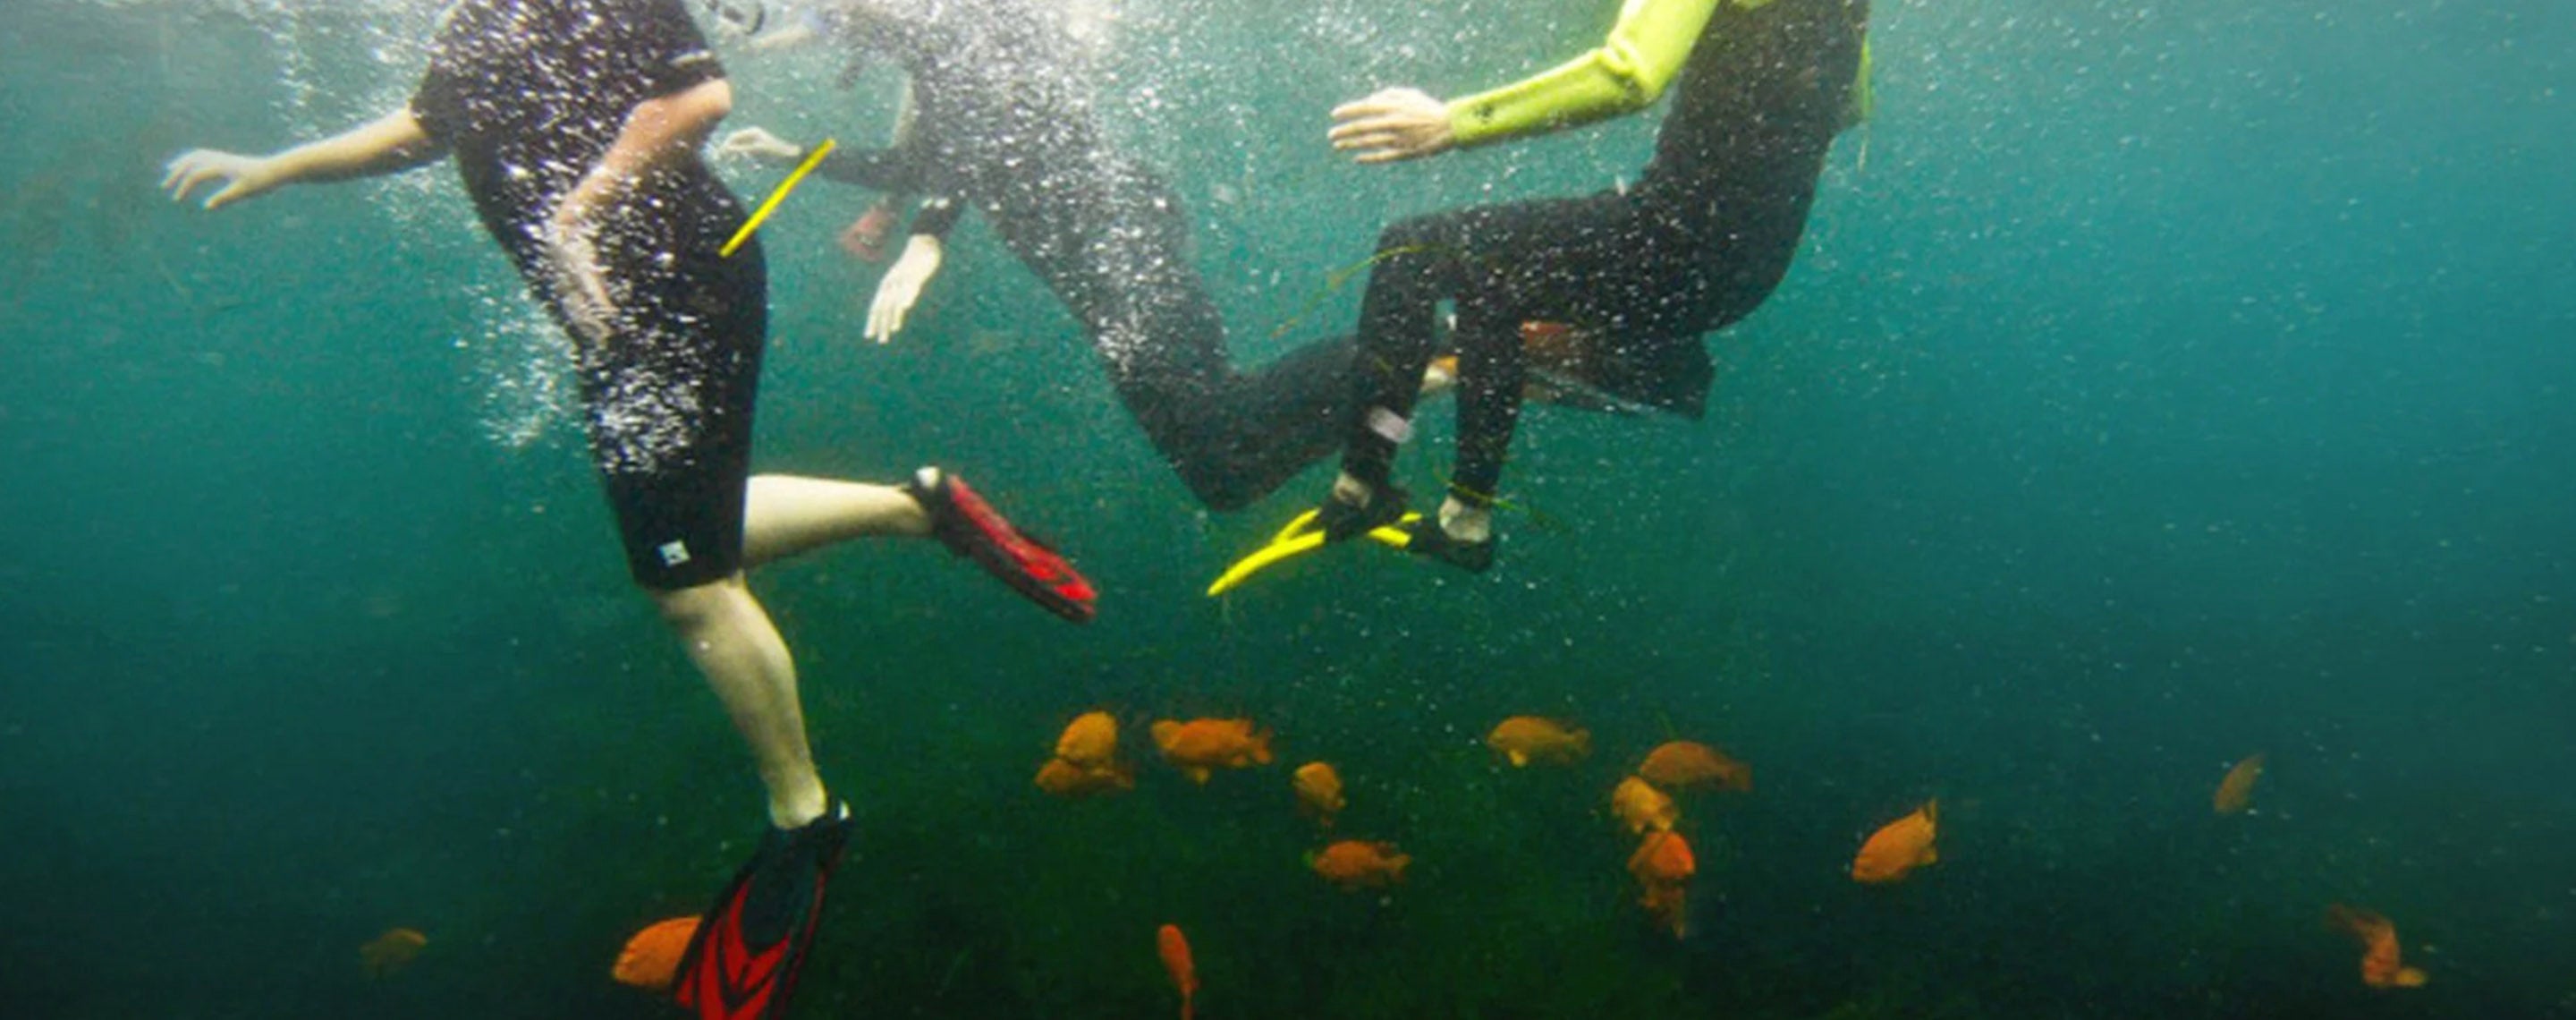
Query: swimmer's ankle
x=794, y=809
x=1463, y=523
x=1349, y=490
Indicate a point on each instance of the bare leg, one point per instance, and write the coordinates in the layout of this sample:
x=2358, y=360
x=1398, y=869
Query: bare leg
x=729, y=636
x=788, y=515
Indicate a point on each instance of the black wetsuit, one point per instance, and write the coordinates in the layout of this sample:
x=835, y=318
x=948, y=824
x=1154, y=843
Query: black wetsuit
x=1697, y=243
x=1005, y=123
x=529, y=94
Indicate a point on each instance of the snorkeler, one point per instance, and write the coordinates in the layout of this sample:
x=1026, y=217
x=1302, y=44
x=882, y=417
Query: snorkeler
x=1638, y=272
x=1006, y=125
x=576, y=126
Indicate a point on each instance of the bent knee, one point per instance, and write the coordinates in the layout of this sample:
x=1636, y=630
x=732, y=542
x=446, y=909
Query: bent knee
x=693, y=606
x=1409, y=233
x=1216, y=486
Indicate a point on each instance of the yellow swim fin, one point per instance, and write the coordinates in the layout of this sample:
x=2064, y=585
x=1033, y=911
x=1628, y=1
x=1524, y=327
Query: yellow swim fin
x=1299, y=538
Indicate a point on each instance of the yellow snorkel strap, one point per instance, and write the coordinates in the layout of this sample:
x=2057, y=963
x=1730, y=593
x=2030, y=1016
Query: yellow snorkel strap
x=770, y=204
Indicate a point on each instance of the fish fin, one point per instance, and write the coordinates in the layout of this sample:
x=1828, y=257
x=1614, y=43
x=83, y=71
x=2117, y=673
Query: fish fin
x=1582, y=742
x=1261, y=747
x=1931, y=854
x=1196, y=773
x=1932, y=811
x=1518, y=758
x=2409, y=977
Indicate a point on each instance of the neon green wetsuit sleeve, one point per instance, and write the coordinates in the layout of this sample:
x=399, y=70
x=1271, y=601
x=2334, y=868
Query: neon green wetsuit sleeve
x=1627, y=73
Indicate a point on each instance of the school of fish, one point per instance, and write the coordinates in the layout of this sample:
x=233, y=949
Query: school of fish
x=1086, y=763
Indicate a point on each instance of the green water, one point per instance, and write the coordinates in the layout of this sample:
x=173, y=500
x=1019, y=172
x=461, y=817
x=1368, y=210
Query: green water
x=2168, y=384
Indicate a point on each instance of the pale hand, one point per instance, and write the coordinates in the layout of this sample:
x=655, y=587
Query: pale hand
x=902, y=285
x=241, y=176
x=579, y=281
x=759, y=144
x=1392, y=125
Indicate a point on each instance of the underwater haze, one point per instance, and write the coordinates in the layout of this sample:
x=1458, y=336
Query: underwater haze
x=2158, y=384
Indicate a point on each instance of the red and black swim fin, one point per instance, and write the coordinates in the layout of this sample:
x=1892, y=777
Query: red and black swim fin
x=971, y=528
x=743, y=962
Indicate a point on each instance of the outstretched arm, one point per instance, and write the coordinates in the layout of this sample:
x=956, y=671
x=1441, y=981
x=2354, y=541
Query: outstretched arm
x=1626, y=73
x=389, y=144
x=657, y=131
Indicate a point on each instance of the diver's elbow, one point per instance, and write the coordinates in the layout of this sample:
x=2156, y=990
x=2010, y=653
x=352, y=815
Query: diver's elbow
x=715, y=101
x=1638, y=84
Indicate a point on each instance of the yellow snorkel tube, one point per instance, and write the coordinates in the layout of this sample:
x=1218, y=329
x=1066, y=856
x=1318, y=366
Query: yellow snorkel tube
x=770, y=205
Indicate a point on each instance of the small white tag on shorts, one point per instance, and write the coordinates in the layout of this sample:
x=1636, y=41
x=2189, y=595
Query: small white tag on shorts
x=674, y=553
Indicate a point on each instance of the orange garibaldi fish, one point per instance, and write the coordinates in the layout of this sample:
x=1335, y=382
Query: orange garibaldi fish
x=1641, y=807
x=652, y=958
x=1086, y=759
x=1066, y=779
x=389, y=953
x=1353, y=864
x=1663, y=865
x=1899, y=847
x=1523, y=739
x=2236, y=792
x=1686, y=764
x=1201, y=745
x=1175, y=948
x=2380, y=966
x=1090, y=741
x=1319, y=791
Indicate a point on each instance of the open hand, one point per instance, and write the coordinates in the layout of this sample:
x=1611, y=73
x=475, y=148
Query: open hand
x=759, y=144
x=901, y=286
x=241, y=176
x=1394, y=124
x=579, y=281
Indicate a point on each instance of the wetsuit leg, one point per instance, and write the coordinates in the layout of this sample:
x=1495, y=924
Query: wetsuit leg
x=1419, y=262
x=1491, y=371
x=1114, y=247
x=1238, y=436
x=1582, y=261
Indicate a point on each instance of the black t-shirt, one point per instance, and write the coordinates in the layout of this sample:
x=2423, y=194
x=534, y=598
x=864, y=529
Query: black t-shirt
x=529, y=94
